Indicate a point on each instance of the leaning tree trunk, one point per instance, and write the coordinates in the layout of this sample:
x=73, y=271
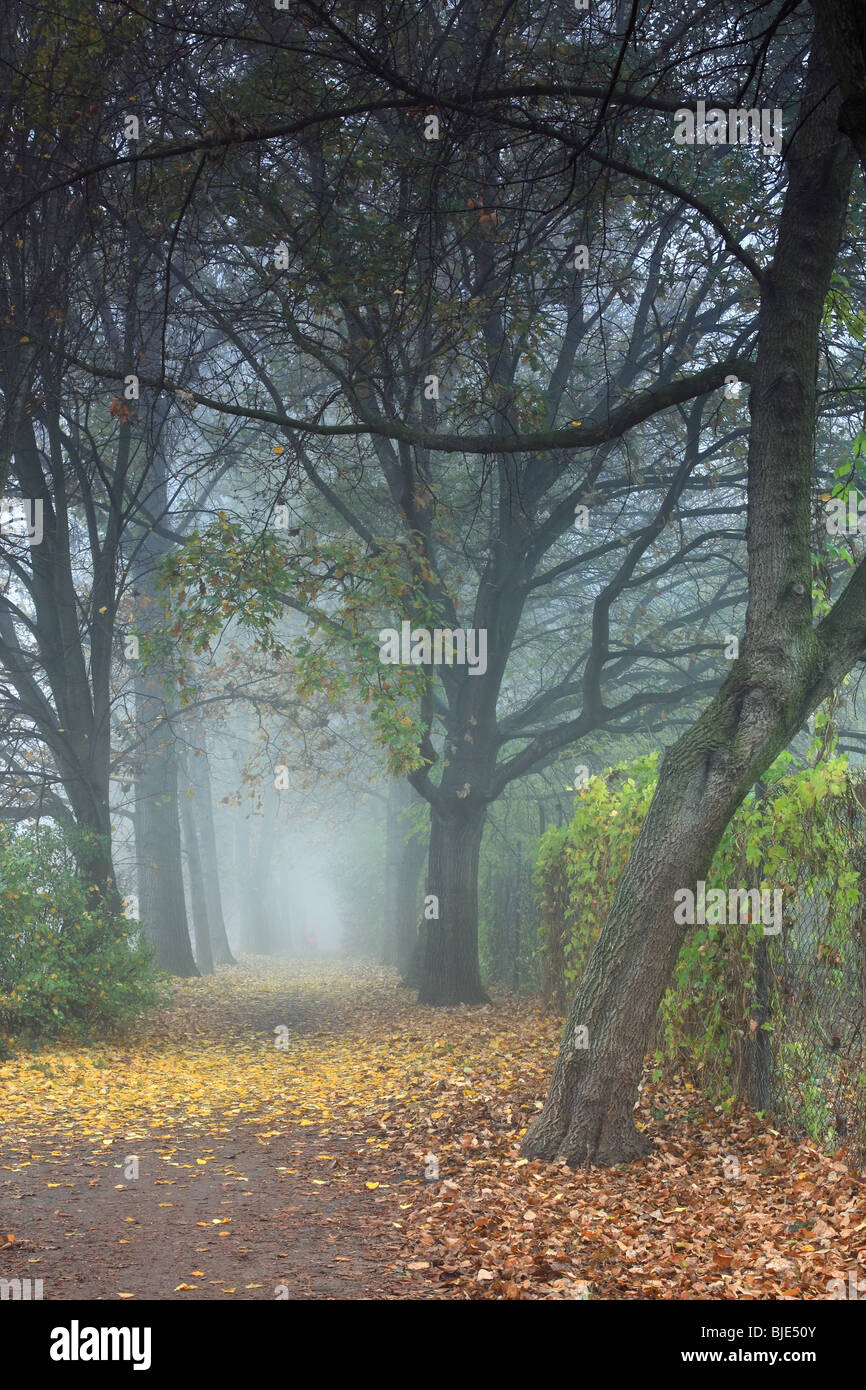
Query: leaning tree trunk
x=786, y=669
x=450, y=973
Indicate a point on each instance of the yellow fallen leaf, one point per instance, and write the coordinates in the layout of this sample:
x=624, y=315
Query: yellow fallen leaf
x=185, y=1287
x=126, y=1295
x=371, y=1185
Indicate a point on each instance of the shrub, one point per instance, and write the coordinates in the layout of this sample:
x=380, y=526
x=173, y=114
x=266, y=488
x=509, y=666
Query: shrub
x=67, y=968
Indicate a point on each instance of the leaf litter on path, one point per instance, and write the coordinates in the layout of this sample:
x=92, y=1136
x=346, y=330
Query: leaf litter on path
x=321, y=1084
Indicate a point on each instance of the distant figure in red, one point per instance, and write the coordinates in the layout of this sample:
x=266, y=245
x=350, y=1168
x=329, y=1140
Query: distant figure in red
x=310, y=937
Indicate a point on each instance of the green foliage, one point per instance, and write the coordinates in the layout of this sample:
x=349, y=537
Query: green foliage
x=346, y=594
x=788, y=838
x=841, y=316
x=579, y=866
x=67, y=968
x=508, y=911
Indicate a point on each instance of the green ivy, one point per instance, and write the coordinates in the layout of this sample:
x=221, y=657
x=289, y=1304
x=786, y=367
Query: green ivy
x=789, y=838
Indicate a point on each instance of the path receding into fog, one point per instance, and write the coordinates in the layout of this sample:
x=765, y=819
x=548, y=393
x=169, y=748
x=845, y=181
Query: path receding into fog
x=172, y=1168
x=302, y=1130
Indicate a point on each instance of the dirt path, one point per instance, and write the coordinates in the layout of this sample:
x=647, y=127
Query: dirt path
x=302, y=1130
x=232, y=1226
x=231, y=1195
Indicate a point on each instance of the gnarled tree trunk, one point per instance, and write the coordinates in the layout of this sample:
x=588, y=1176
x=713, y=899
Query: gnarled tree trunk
x=786, y=668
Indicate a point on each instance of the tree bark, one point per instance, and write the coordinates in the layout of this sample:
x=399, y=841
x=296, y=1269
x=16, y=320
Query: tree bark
x=157, y=850
x=450, y=973
x=842, y=24
x=200, y=782
x=162, y=903
x=786, y=668
x=198, y=902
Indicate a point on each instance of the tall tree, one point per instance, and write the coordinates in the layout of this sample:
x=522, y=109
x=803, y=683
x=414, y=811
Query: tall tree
x=787, y=666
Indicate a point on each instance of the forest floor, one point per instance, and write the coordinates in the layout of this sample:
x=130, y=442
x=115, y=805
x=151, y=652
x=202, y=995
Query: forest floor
x=298, y=1171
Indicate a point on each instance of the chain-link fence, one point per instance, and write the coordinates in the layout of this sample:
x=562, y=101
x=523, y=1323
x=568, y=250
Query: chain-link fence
x=801, y=1056
x=776, y=1018
x=809, y=1067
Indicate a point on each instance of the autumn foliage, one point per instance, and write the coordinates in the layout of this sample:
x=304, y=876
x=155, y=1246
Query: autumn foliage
x=404, y=1127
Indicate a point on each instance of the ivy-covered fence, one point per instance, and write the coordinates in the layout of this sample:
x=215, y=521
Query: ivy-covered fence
x=773, y=1016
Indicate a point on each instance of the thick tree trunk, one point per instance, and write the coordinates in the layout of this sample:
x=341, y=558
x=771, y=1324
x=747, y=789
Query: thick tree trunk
x=161, y=900
x=198, y=902
x=158, y=858
x=96, y=868
x=200, y=783
x=78, y=676
x=450, y=972
x=588, y=1114
x=786, y=668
